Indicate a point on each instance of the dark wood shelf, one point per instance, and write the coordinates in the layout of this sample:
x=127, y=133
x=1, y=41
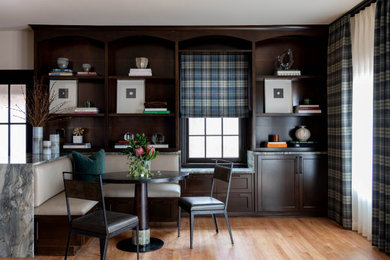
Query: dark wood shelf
x=140, y=115
x=263, y=77
x=80, y=115
x=217, y=50
x=76, y=77
x=172, y=149
x=289, y=114
x=290, y=149
x=93, y=149
x=143, y=77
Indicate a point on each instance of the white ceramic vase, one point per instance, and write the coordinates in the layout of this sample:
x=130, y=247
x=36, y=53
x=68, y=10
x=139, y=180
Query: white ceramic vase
x=37, y=139
x=77, y=139
x=302, y=133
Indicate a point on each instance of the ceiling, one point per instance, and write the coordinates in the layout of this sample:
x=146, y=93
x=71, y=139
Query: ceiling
x=17, y=14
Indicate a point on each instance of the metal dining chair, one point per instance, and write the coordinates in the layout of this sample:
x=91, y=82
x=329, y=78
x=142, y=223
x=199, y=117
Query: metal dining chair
x=208, y=205
x=101, y=223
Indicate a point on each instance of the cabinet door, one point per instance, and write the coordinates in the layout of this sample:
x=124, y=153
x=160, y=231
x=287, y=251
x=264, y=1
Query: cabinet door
x=313, y=182
x=277, y=183
x=238, y=202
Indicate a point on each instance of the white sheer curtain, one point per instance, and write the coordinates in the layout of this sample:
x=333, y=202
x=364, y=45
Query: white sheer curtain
x=362, y=34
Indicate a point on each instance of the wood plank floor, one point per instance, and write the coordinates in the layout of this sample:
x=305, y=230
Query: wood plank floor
x=255, y=238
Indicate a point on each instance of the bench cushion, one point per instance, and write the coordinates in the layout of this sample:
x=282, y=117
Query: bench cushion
x=48, y=179
x=155, y=190
x=57, y=206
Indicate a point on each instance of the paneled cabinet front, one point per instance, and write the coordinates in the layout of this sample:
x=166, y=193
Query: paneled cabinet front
x=291, y=184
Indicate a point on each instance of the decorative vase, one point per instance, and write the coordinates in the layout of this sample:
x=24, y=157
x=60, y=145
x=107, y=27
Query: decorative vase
x=46, y=147
x=55, y=143
x=37, y=139
x=77, y=139
x=302, y=133
x=139, y=168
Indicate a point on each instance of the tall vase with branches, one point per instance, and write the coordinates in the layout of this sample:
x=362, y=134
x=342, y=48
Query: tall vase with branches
x=39, y=110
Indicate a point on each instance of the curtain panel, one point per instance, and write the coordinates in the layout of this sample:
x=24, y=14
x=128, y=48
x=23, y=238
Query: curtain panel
x=214, y=85
x=381, y=142
x=340, y=122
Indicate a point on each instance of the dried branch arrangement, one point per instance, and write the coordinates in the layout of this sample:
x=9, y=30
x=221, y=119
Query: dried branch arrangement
x=39, y=105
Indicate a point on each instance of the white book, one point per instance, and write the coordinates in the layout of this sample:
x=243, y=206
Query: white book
x=160, y=145
x=121, y=146
x=140, y=72
x=288, y=72
x=156, y=109
x=308, y=111
x=77, y=146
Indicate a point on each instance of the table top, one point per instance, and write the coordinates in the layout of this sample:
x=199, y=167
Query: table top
x=158, y=176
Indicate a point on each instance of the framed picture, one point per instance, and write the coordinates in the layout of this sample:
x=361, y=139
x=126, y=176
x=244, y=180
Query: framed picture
x=65, y=92
x=130, y=96
x=278, y=96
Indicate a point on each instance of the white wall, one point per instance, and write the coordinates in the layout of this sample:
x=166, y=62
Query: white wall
x=16, y=50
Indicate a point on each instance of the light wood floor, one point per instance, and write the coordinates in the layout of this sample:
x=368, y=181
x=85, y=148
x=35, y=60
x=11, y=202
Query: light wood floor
x=255, y=238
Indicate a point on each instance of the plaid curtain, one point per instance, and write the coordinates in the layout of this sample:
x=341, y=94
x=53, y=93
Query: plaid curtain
x=214, y=85
x=381, y=142
x=340, y=122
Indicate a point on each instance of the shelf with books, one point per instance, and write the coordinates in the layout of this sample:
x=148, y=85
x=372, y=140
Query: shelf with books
x=75, y=77
x=140, y=115
x=263, y=77
x=81, y=115
x=289, y=114
x=143, y=77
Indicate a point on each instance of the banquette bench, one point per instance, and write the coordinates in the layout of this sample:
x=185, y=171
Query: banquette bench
x=50, y=214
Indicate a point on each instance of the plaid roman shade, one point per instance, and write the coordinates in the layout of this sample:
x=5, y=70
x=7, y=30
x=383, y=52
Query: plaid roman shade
x=214, y=85
x=340, y=122
x=381, y=142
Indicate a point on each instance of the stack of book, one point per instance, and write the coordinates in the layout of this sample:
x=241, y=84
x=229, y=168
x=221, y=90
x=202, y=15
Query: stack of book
x=160, y=145
x=86, y=73
x=140, y=72
x=288, y=73
x=122, y=144
x=86, y=110
x=310, y=109
x=276, y=145
x=77, y=146
x=156, y=107
x=61, y=72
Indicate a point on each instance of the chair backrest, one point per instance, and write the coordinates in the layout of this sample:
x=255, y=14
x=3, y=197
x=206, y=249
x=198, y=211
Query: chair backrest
x=223, y=172
x=87, y=190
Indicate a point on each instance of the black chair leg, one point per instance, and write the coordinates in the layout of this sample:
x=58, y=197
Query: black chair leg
x=228, y=225
x=215, y=222
x=137, y=239
x=191, y=229
x=178, y=221
x=67, y=243
x=103, y=248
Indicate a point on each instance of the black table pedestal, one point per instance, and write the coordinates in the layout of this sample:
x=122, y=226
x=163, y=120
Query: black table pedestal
x=127, y=245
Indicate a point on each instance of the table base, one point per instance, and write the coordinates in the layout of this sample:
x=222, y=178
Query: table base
x=127, y=245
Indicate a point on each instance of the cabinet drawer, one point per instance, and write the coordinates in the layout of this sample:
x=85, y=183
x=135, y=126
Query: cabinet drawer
x=238, y=202
x=240, y=183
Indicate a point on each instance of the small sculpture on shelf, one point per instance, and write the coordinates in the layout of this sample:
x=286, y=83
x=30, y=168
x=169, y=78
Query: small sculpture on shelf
x=78, y=135
x=283, y=64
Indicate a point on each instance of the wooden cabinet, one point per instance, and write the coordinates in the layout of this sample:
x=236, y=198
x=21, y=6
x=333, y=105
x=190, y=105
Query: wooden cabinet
x=291, y=184
x=241, y=190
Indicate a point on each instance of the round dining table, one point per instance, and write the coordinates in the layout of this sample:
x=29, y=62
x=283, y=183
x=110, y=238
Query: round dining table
x=146, y=242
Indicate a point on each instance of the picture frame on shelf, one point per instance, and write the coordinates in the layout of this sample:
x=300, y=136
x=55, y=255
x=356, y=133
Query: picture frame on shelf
x=278, y=96
x=130, y=96
x=65, y=95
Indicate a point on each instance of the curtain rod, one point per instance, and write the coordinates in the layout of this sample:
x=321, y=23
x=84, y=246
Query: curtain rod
x=359, y=7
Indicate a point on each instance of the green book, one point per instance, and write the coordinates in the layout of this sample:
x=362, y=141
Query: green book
x=157, y=112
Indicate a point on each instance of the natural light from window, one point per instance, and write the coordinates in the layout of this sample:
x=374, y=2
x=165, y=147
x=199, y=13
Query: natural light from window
x=213, y=137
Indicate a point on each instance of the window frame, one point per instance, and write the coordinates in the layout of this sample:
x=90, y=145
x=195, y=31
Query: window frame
x=17, y=77
x=188, y=162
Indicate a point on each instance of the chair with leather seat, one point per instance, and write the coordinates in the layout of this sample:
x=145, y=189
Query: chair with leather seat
x=101, y=223
x=208, y=205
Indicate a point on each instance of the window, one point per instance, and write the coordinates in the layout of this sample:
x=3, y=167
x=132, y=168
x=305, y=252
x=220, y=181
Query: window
x=212, y=138
x=12, y=122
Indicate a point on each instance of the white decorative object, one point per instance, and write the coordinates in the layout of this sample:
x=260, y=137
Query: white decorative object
x=141, y=62
x=62, y=62
x=46, y=147
x=37, y=139
x=77, y=139
x=140, y=72
x=64, y=91
x=130, y=96
x=278, y=96
x=55, y=143
x=86, y=67
x=302, y=133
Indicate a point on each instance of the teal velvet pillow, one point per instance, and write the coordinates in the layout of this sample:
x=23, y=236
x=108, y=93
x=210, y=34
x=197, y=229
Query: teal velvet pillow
x=95, y=164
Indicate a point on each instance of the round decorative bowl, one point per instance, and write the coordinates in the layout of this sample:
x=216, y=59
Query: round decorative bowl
x=302, y=133
x=62, y=62
x=86, y=67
